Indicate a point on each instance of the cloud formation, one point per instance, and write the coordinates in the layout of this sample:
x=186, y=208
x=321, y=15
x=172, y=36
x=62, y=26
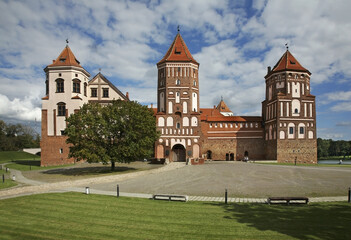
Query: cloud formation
x=234, y=42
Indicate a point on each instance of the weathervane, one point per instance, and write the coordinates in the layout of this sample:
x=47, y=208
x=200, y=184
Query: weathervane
x=67, y=41
x=178, y=28
x=287, y=46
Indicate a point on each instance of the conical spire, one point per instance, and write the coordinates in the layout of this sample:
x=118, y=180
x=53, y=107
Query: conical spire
x=178, y=52
x=66, y=58
x=288, y=62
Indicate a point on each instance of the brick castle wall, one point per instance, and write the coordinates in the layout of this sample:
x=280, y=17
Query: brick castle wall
x=305, y=151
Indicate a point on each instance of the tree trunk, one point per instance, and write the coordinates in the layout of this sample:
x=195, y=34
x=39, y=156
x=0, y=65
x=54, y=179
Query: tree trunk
x=112, y=166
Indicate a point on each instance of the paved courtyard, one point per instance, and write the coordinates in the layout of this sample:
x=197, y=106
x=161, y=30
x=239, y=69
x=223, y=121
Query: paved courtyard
x=241, y=179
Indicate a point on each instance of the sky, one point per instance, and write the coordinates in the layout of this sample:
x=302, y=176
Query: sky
x=234, y=42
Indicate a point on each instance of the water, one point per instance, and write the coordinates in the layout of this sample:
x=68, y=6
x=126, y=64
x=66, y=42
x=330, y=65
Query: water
x=332, y=161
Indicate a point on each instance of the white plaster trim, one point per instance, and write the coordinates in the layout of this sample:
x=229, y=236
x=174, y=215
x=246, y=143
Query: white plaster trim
x=178, y=136
x=296, y=119
x=233, y=137
x=234, y=131
x=180, y=87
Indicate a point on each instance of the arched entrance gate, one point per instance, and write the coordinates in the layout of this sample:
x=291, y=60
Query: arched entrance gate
x=178, y=153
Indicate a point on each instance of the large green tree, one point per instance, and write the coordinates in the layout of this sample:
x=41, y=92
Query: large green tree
x=122, y=131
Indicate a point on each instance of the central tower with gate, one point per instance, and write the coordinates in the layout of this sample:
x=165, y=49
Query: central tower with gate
x=178, y=111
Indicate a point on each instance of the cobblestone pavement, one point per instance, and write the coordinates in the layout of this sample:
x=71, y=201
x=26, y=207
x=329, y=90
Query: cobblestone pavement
x=107, y=185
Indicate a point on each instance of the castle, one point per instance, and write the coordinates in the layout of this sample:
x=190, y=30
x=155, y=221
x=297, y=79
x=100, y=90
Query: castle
x=285, y=132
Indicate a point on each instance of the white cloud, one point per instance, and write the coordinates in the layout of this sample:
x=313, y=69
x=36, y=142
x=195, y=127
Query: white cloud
x=19, y=109
x=342, y=107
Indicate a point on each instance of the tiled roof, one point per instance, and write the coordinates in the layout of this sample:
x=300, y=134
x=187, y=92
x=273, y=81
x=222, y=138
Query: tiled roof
x=66, y=58
x=178, y=52
x=288, y=62
x=214, y=115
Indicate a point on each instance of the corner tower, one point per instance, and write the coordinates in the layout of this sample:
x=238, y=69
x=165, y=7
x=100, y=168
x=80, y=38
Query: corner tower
x=178, y=111
x=66, y=91
x=289, y=113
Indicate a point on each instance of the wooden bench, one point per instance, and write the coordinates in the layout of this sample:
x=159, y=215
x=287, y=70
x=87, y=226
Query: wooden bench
x=170, y=197
x=287, y=200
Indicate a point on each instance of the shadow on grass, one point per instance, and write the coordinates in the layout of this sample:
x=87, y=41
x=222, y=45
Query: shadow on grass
x=83, y=171
x=314, y=221
x=28, y=162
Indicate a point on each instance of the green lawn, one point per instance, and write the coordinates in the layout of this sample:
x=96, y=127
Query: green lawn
x=8, y=156
x=8, y=182
x=80, y=216
x=305, y=164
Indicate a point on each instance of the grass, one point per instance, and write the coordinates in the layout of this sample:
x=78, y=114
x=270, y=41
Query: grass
x=80, y=216
x=8, y=156
x=335, y=158
x=8, y=182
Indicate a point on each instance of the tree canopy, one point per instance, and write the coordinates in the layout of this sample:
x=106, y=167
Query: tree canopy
x=14, y=137
x=330, y=148
x=122, y=131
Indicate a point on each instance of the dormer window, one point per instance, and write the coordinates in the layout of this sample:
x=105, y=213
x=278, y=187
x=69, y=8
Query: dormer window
x=62, y=59
x=177, y=51
x=292, y=62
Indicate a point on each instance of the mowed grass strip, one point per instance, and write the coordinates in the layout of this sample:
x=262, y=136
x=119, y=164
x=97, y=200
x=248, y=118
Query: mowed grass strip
x=80, y=216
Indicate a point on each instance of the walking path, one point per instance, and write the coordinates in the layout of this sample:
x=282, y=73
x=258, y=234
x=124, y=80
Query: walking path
x=36, y=187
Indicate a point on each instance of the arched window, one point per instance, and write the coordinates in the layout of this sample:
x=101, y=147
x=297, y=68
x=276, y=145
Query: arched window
x=61, y=109
x=178, y=125
x=194, y=83
x=178, y=82
x=177, y=97
x=60, y=88
x=76, y=85
x=296, y=110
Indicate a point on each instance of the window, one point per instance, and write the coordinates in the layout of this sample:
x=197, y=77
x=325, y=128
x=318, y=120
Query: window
x=60, y=85
x=93, y=92
x=63, y=133
x=61, y=150
x=85, y=89
x=194, y=83
x=60, y=74
x=296, y=110
x=178, y=125
x=76, y=85
x=178, y=82
x=76, y=75
x=105, y=92
x=47, y=87
x=302, y=130
x=61, y=109
x=291, y=130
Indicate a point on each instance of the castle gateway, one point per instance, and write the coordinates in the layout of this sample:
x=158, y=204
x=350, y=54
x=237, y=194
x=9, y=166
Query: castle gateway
x=285, y=132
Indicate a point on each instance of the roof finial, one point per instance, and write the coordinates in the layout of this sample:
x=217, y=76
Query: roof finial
x=99, y=70
x=67, y=41
x=221, y=98
x=287, y=46
x=178, y=28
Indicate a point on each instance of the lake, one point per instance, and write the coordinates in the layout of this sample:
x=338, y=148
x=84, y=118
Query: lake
x=332, y=161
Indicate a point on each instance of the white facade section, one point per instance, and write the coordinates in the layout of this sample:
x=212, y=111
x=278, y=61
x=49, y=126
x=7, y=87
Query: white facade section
x=170, y=107
x=295, y=89
x=194, y=102
x=169, y=122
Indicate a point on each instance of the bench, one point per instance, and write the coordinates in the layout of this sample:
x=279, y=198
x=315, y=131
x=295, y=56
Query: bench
x=287, y=200
x=170, y=197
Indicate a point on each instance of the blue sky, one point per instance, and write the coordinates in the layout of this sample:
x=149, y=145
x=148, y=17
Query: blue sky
x=234, y=42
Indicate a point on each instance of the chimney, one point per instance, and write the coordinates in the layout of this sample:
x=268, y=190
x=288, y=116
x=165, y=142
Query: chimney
x=53, y=61
x=269, y=69
x=127, y=95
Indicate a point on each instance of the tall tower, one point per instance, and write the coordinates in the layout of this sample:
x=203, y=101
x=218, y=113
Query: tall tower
x=178, y=112
x=289, y=113
x=66, y=91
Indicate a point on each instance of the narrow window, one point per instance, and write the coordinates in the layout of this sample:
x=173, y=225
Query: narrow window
x=61, y=109
x=291, y=130
x=105, y=92
x=178, y=125
x=47, y=87
x=296, y=110
x=302, y=130
x=85, y=89
x=178, y=82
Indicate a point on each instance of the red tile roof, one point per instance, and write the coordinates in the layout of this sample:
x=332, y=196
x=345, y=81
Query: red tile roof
x=288, y=62
x=213, y=115
x=66, y=58
x=178, y=52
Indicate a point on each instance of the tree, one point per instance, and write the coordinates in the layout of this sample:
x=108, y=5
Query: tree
x=122, y=131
